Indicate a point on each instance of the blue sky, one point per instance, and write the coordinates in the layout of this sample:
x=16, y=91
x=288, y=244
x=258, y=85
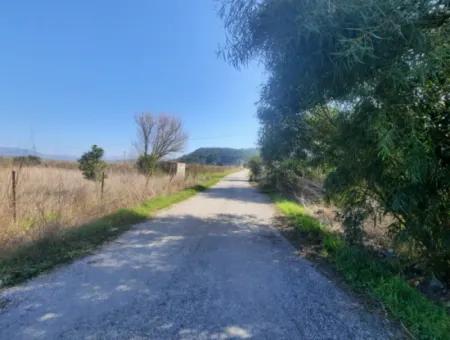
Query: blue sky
x=74, y=73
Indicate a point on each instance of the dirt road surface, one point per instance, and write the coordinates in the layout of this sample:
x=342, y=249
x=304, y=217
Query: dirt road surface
x=211, y=267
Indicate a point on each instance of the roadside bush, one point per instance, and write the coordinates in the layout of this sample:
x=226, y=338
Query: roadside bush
x=364, y=271
x=147, y=164
x=256, y=168
x=283, y=175
x=353, y=225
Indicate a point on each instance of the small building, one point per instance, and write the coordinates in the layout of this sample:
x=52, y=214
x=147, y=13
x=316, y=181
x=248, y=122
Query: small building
x=176, y=170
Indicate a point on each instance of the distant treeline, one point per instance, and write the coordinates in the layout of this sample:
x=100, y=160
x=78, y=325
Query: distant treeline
x=220, y=156
x=31, y=160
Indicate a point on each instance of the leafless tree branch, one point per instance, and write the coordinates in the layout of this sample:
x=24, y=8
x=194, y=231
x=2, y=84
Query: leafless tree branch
x=145, y=126
x=159, y=136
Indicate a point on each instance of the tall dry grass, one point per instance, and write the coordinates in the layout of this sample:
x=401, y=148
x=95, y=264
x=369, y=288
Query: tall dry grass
x=50, y=199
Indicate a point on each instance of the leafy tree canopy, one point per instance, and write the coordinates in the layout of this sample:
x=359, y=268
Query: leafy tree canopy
x=361, y=88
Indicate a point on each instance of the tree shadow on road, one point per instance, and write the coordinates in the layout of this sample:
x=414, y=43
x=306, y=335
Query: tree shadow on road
x=237, y=194
x=184, y=277
x=153, y=272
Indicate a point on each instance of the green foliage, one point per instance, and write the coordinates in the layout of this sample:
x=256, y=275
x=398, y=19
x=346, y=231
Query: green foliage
x=256, y=167
x=283, y=175
x=376, y=277
x=360, y=88
x=299, y=216
x=91, y=164
x=147, y=164
x=219, y=156
x=352, y=223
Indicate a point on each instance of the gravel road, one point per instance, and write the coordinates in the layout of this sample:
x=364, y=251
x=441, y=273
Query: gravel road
x=211, y=267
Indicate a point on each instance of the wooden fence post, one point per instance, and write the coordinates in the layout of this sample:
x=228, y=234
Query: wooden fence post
x=102, y=186
x=13, y=179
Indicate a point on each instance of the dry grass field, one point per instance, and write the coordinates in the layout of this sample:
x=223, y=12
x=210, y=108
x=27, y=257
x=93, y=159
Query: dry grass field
x=50, y=197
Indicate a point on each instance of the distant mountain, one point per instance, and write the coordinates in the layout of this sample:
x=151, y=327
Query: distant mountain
x=14, y=152
x=219, y=156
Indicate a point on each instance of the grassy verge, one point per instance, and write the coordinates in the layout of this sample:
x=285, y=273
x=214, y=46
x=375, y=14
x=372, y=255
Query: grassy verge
x=373, y=276
x=32, y=259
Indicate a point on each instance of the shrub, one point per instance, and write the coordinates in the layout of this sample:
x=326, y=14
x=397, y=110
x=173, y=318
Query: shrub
x=91, y=164
x=378, y=278
x=283, y=175
x=256, y=168
x=146, y=164
x=353, y=225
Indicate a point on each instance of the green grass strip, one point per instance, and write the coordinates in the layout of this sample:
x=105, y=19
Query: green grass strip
x=373, y=276
x=37, y=257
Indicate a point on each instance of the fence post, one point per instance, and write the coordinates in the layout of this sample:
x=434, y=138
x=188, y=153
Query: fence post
x=13, y=179
x=102, y=186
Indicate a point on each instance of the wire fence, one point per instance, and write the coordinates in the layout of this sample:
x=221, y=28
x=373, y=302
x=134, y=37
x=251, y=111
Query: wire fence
x=37, y=200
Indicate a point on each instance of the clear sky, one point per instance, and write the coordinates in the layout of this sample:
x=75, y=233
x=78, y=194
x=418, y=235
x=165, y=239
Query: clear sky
x=74, y=73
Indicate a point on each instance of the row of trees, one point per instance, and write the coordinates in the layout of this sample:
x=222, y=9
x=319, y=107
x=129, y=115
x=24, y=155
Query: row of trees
x=361, y=90
x=219, y=156
x=157, y=138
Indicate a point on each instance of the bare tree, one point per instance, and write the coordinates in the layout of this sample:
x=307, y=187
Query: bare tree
x=169, y=136
x=145, y=126
x=158, y=137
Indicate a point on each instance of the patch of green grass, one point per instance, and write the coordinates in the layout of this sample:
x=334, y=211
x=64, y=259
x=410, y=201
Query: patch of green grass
x=375, y=277
x=42, y=255
x=308, y=225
